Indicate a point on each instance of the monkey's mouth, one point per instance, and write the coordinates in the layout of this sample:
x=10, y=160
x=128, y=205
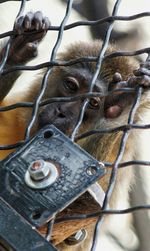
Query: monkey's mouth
x=63, y=124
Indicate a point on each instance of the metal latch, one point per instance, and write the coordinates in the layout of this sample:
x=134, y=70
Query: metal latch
x=46, y=175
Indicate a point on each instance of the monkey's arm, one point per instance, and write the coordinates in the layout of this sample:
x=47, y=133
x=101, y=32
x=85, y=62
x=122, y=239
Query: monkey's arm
x=23, y=46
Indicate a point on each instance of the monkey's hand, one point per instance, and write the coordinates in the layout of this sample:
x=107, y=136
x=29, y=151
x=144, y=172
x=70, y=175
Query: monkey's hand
x=115, y=104
x=142, y=76
x=24, y=45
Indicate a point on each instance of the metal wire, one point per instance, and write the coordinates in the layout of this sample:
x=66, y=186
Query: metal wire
x=126, y=129
x=103, y=212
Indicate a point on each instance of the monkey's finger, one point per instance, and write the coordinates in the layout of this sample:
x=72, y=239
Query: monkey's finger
x=117, y=77
x=18, y=24
x=145, y=65
x=28, y=19
x=142, y=71
x=115, y=80
x=38, y=20
x=143, y=81
x=46, y=23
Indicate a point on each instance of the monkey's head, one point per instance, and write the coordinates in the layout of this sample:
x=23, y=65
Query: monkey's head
x=68, y=81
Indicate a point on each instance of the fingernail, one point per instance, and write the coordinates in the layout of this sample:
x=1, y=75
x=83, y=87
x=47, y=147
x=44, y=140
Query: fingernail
x=27, y=25
x=37, y=26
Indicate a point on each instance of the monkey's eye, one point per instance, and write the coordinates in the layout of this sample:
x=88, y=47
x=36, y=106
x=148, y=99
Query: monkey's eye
x=94, y=103
x=71, y=84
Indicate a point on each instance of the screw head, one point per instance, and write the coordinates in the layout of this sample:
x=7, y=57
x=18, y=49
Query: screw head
x=41, y=174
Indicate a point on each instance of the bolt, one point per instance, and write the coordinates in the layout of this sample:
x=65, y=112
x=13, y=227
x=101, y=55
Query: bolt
x=92, y=170
x=77, y=237
x=41, y=174
x=39, y=169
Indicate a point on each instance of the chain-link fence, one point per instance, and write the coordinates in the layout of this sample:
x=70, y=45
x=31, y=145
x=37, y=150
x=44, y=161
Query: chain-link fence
x=125, y=129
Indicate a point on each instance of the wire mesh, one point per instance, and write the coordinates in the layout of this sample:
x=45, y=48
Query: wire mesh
x=38, y=103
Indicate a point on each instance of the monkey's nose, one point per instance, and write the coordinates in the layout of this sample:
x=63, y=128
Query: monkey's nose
x=59, y=113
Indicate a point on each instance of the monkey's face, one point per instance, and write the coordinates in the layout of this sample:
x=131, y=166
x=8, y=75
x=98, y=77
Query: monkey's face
x=69, y=82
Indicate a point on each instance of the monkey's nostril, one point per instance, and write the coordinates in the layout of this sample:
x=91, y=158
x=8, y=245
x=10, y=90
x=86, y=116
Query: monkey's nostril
x=61, y=115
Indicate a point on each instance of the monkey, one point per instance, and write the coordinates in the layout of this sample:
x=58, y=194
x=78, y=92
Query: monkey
x=69, y=81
